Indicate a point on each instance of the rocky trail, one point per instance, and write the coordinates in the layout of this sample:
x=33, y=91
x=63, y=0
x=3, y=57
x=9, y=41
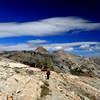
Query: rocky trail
x=21, y=82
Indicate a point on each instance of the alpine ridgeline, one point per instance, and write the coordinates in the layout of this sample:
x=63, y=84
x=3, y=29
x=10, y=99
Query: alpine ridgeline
x=72, y=77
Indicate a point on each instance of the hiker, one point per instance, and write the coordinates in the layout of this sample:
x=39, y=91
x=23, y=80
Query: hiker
x=48, y=73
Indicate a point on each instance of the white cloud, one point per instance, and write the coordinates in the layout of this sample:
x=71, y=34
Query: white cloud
x=55, y=46
x=91, y=47
x=15, y=47
x=86, y=47
x=65, y=45
x=38, y=41
x=45, y=27
x=97, y=47
x=69, y=49
x=58, y=48
x=71, y=46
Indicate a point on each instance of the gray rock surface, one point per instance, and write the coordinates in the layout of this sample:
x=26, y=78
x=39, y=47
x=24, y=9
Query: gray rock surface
x=21, y=82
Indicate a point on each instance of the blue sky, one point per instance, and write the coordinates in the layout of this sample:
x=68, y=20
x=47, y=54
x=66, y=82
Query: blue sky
x=72, y=25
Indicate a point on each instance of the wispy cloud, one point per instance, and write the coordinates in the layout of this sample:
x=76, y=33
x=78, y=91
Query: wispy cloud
x=45, y=27
x=86, y=47
x=38, y=41
x=33, y=44
x=74, y=43
x=15, y=47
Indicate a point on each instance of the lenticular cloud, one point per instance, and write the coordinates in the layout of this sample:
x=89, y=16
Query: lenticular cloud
x=46, y=27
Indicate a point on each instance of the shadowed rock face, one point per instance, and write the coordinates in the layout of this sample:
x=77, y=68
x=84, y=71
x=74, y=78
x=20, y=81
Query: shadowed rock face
x=21, y=82
x=58, y=61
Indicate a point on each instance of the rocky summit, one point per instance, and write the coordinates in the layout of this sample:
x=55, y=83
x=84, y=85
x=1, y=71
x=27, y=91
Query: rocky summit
x=41, y=50
x=72, y=77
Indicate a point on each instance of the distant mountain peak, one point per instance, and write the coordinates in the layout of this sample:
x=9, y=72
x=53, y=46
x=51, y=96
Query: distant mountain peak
x=59, y=52
x=41, y=50
x=63, y=54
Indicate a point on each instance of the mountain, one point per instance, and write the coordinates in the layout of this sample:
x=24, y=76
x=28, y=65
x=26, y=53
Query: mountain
x=41, y=50
x=62, y=54
x=95, y=60
x=58, y=61
x=22, y=82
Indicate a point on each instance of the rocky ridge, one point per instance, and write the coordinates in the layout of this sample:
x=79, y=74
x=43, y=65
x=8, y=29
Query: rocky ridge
x=21, y=82
x=58, y=61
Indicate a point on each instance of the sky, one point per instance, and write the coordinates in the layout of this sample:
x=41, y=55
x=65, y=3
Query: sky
x=70, y=25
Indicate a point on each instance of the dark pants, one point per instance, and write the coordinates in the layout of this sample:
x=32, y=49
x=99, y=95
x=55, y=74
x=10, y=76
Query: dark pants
x=48, y=76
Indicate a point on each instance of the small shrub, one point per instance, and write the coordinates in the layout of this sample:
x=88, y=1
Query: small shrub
x=45, y=89
x=30, y=72
x=76, y=71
